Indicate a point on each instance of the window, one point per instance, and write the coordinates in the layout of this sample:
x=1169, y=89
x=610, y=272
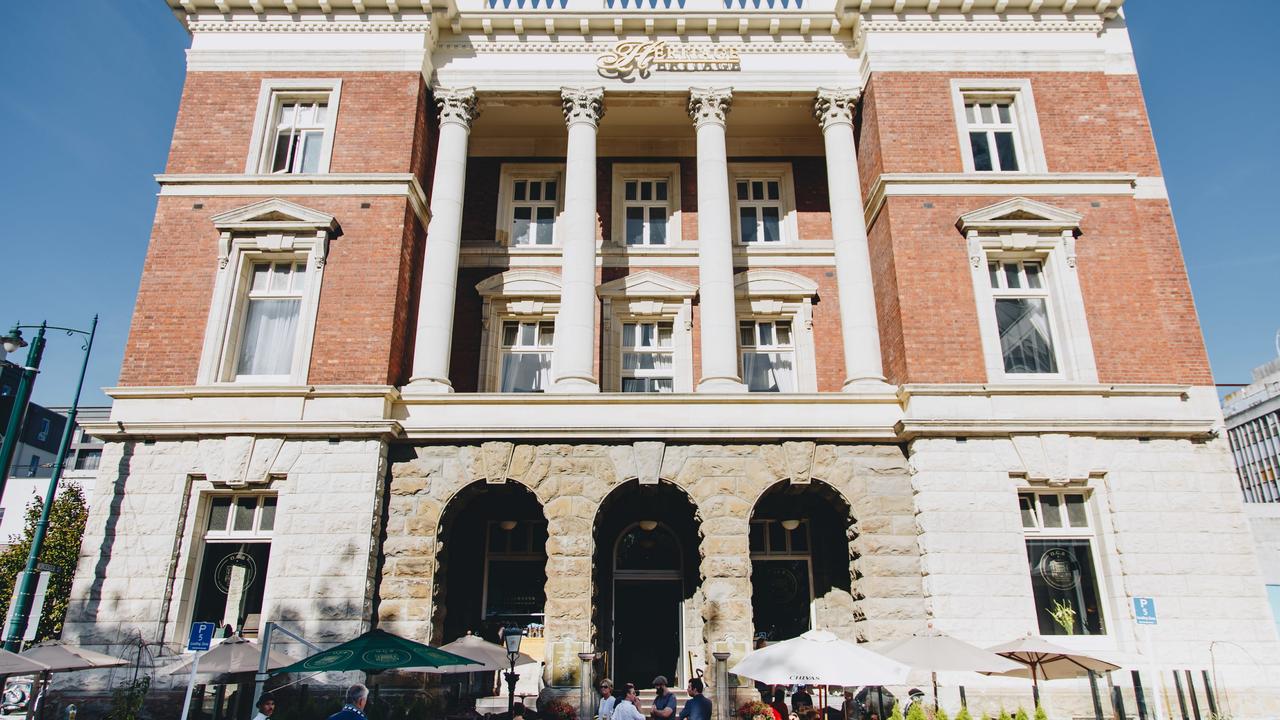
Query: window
x=526, y=355
x=529, y=200
x=646, y=205
x=1030, y=310
x=273, y=298
x=645, y=211
x=294, y=127
x=1022, y=316
x=759, y=210
x=233, y=567
x=1060, y=558
x=993, y=135
x=515, y=560
x=43, y=434
x=768, y=355
x=88, y=459
x=299, y=136
x=647, y=357
x=533, y=212
x=781, y=578
x=266, y=293
x=998, y=128
x=33, y=466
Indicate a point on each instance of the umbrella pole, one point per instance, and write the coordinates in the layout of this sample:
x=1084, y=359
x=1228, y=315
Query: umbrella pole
x=935, y=691
x=1035, y=685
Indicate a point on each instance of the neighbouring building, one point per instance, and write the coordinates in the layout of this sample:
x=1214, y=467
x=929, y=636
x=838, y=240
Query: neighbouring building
x=1252, y=416
x=660, y=326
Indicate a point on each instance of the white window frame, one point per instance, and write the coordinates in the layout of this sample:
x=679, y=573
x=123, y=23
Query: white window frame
x=272, y=95
x=1044, y=293
x=538, y=327
x=1092, y=532
x=667, y=172
x=772, y=295
x=756, y=325
x=523, y=295
x=781, y=172
x=243, y=241
x=205, y=537
x=511, y=172
x=1017, y=92
x=1049, y=239
x=647, y=296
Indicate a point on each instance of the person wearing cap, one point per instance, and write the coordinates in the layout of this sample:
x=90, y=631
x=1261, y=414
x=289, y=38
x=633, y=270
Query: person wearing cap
x=607, y=701
x=664, y=703
x=266, y=706
x=698, y=706
x=915, y=696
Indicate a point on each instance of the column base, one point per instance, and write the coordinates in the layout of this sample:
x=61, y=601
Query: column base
x=868, y=385
x=574, y=385
x=426, y=386
x=721, y=385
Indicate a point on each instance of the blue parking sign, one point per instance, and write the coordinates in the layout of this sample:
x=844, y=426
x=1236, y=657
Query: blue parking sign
x=201, y=637
x=1144, y=610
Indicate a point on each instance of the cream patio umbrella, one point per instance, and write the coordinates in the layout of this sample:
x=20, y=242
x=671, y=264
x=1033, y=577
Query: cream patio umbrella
x=1042, y=660
x=820, y=658
x=938, y=652
x=232, y=656
x=61, y=657
x=14, y=664
x=489, y=656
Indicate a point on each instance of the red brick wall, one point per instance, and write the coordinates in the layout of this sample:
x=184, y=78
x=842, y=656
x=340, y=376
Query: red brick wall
x=1089, y=122
x=1129, y=266
x=378, y=121
x=361, y=300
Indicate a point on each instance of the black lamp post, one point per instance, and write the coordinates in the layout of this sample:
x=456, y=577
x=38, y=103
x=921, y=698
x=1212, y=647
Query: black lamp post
x=511, y=637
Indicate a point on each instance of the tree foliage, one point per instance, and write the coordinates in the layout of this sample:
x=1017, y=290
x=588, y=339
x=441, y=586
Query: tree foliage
x=61, y=549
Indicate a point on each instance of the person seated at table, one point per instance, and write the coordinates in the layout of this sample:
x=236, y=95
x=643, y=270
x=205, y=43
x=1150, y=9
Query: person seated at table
x=779, y=704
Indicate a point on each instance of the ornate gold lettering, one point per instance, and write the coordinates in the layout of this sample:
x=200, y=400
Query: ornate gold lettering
x=642, y=57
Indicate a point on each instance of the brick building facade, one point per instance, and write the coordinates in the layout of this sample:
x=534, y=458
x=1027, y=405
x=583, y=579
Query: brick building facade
x=861, y=316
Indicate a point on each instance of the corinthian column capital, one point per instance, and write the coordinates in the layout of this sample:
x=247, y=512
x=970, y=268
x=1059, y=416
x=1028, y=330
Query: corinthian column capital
x=457, y=105
x=835, y=105
x=585, y=105
x=709, y=105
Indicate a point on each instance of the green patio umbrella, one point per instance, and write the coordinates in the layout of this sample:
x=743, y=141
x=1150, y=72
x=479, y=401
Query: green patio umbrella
x=377, y=650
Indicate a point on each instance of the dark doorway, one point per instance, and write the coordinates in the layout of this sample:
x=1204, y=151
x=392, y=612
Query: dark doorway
x=646, y=630
x=645, y=568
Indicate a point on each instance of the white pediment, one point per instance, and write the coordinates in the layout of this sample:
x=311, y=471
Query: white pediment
x=647, y=284
x=773, y=283
x=1022, y=215
x=274, y=215
x=521, y=283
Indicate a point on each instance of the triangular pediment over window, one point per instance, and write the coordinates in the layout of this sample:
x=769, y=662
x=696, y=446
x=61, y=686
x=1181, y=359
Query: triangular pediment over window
x=274, y=215
x=647, y=284
x=1020, y=215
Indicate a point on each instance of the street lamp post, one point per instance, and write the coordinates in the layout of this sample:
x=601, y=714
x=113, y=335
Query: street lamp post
x=12, y=342
x=26, y=591
x=511, y=637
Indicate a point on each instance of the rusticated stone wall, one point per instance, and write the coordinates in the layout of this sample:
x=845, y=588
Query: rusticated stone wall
x=723, y=481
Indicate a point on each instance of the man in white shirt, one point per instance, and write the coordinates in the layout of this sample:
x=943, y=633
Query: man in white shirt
x=607, y=701
x=626, y=708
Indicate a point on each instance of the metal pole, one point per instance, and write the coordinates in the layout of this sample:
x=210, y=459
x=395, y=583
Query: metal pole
x=191, y=685
x=12, y=431
x=1093, y=691
x=260, y=679
x=1182, y=700
x=1139, y=696
x=1191, y=690
x=1208, y=694
x=18, y=624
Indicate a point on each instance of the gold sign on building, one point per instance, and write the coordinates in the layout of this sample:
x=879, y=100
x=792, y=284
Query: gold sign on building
x=642, y=57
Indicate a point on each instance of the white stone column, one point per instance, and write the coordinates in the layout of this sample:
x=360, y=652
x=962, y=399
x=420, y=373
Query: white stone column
x=718, y=317
x=434, y=338
x=864, y=369
x=572, y=366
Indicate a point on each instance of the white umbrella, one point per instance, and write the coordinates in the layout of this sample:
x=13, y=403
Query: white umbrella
x=820, y=658
x=489, y=656
x=231, y=656
x=1042, y=660
x=938, y=652
x=60, y=657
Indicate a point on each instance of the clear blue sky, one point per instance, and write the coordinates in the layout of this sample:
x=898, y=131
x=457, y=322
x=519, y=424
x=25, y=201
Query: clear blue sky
x=90, y=88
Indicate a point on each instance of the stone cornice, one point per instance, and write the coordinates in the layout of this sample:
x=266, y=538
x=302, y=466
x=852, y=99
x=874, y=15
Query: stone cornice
x=995, y=184
x=331, y=184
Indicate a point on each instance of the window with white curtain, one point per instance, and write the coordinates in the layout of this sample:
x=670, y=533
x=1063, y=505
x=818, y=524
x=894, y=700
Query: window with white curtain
x=768, y=355
x=300, y=125
x=526, y=355
x=647, y=357
x=269, y=330
x=1021, y=298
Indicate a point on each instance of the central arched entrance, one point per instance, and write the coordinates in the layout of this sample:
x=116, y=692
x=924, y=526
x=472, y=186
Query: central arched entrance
x=646, y=571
